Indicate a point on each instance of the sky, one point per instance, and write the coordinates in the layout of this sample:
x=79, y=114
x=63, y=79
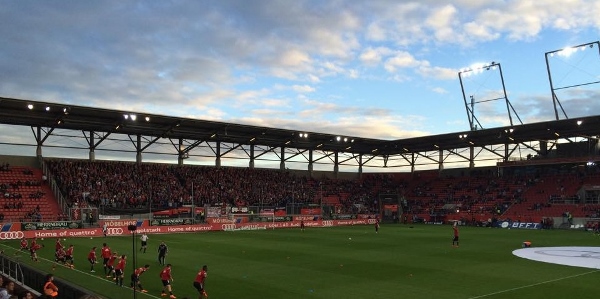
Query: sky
x=377, y=69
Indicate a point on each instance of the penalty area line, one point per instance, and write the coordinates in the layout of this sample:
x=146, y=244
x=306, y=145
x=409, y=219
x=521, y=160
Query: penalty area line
x=533, y=285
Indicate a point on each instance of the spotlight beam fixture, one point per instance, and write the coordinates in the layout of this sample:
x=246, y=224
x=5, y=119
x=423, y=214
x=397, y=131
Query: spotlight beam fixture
x=566, y=52
x=474, y=123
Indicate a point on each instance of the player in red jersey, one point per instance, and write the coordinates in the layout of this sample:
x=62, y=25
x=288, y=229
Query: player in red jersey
x=105, y=253
x=60, y=256
x=58, y=245
x=24, y=244
x=69, y=256
x=33, y=250
x=135, y=278
x=455, y=238
x=111, y=265
x=120, y=270
x=92, y=258
x=166, y=277
x=199, y=282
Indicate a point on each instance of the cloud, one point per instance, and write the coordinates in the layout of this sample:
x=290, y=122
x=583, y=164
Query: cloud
x=303, y=88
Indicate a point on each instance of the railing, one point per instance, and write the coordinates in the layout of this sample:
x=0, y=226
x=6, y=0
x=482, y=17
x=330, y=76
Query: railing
x=12, y=269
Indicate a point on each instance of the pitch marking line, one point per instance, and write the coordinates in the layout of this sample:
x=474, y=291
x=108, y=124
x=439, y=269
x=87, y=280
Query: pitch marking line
x=535, y=284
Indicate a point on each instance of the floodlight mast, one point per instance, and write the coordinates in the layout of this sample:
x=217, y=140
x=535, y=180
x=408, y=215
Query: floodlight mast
x=470, y=106
x=553, y=89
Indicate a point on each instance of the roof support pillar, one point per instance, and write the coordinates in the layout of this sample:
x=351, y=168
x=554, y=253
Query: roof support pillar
x=251, y=163
x=282, y=161
x=218, y=153
x=92, y=152
x=138, y=149
x=441, y=160
x=310, y=163
x=471, y=157
x=39, y=142
x=336, y=165
x=360, y=165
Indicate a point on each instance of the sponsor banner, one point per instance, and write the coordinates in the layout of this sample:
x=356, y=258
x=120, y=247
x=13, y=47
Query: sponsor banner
x=125, y=223
x=15, y=234
x=219, y=220
x=366, y=216
x=307, y=218
x=280, y=211
x=109, y=217
x=50, y=225
x=171, y=221
x=519, y=225
x=239, y=209
x=176, y=213
x=344, y=216
x=277, y=218
x=311, y=211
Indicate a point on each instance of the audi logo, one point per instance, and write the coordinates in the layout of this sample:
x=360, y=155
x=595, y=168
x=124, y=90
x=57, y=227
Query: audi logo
x=328, y=223
x=229, y=226
x=372, y=221
x=12, y=235
x=114, y=231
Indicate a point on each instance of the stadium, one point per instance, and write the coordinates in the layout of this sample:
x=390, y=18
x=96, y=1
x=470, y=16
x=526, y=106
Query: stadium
x=108, y=200
x=298, y=233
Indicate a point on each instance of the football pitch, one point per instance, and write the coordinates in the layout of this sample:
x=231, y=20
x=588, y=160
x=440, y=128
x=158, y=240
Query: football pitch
x=341, y=262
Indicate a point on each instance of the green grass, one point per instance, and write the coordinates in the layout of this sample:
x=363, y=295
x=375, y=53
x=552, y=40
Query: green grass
x=399, y=262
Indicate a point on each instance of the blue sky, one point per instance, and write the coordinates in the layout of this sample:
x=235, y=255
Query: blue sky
x=378, y=69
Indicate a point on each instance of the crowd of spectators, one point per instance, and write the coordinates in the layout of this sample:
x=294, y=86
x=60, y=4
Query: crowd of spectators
x=131, y=185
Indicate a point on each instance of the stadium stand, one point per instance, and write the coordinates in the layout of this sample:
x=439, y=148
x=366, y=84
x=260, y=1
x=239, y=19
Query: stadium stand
x=26, y=196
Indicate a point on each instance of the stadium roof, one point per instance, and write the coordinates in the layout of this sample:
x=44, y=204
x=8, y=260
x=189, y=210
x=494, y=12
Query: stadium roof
x=81, y=118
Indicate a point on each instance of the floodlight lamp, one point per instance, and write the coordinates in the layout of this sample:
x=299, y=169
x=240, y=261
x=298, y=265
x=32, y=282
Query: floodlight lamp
x=126, y=116
x=471, y=143
x=47, y=108
x=349, y=147
x=345, y=139
x=579, y=122
x=351, y=140
x=147, y=118
x=213, y=135
x=133, y=117
x=338, y=138
x=319, y=145
x=29, y=106
x=66, y=110
x=252, y=139
x=288, y=142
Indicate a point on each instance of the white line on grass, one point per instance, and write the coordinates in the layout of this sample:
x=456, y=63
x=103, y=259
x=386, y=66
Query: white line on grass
x=533, y=285
x=86, y=273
